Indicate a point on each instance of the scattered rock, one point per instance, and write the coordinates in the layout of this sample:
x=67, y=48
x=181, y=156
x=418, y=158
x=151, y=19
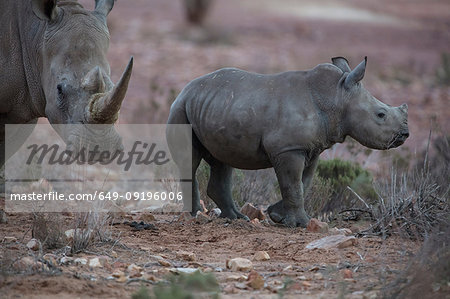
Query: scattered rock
x=340, y=231
x=95, y=263
x=318, y=276
x=347, y=273
x=50, y=258
x=27, y=263
x=146, y=217
x=252, y=212
x=9, y=239
x=261, y=256
x=33, y=244
x=230, y=289
x=118, y=273
x=183, y=270
x=316, y=226
x=306, y=284
x=186, y=255
x=134, y=268
x=256, y=222
x=68, y=234
x=335, y=241
x=287, y=268
x=303, y=277
x=65, y=260
x=202, y=218
x=185, y=217
x=214, y=212
x=164, y=263
x=255, y=280
x=122, y=279
x=239, y=264
x=236, y=277
x=80, y=261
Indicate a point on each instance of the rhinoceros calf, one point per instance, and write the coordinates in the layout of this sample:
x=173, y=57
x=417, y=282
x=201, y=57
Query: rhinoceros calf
x=254, y=121
x=53, y=65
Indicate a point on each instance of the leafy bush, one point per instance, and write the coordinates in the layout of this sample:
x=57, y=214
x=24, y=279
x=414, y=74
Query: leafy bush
x=337, y=175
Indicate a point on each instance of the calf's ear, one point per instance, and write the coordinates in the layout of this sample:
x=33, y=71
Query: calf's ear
x=356, y=75
x=44, y=9
x=103, y=7
x=341, y=63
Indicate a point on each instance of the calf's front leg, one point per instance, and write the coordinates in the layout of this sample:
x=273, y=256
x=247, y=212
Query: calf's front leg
x=290, y=210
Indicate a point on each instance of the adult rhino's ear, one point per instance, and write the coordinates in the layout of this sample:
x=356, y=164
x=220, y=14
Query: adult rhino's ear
x=356, y=75
x=341, y=63
x=44, y=9
x=103, y=7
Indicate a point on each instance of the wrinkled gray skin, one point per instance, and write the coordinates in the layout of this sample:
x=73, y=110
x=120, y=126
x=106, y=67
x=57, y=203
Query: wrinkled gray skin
x=54, y=65
x=252, y=121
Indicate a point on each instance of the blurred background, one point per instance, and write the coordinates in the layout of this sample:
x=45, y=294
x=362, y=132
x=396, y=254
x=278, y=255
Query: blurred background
x=407, y=43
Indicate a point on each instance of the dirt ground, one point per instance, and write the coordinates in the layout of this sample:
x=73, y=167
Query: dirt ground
x=404, y=41
x=310, y=273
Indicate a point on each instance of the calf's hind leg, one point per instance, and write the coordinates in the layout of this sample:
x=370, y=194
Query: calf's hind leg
x=219, y=189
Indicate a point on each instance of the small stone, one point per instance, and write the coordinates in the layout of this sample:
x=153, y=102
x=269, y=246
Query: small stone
x=239, y=264
x=256, y=222
x=303, y=277
x=80, y=261
x=9, y=239
x=340, y=231
x=3, y=218
x=95, y=263
x=50, y=258
x=261, y=256
x=135, y=274
x=146, y=217
x=316, y=226
x=164, y=263
x=255, y=280
x=318, y=276
x=287, y=268
x=133, y=268
x=122, y=279
x=26, y=264
x=33, y=244
x=235, y=277
x=185, y=217
x=186, y=255
x=214, y=212
x=335, y=241
x=118, y=273
x=230, y=289
x=65, y=260
x=202, y=218
x=306, y=284
x=347, y=273
x=252, y=212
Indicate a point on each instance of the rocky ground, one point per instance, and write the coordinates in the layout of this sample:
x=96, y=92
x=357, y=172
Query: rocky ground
x=248, y=259
x=405, y=42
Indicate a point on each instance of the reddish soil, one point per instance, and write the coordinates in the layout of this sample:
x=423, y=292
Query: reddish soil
x=373, y=261
x=403, y=40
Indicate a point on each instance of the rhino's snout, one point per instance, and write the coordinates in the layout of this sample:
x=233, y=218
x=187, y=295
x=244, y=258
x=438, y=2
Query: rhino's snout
x=398, y=139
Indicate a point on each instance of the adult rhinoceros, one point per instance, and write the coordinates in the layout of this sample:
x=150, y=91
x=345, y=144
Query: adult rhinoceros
x=53, y=65
x=253, y=121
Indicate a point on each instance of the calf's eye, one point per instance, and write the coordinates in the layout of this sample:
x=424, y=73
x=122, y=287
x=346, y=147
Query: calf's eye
x=381, y=115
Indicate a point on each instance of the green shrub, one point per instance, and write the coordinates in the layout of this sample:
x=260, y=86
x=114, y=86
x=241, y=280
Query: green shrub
x=185, y=286
x=338, y=174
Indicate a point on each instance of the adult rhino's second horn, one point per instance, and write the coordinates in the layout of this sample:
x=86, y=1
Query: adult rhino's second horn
x=104, y=107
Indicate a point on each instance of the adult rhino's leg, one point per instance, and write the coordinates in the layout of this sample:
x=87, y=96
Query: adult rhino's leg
x=219, y=189
x=308, y=174
x=289, y=211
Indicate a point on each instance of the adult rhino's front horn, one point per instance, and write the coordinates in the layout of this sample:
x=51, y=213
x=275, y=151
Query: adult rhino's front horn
x=104, y=106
